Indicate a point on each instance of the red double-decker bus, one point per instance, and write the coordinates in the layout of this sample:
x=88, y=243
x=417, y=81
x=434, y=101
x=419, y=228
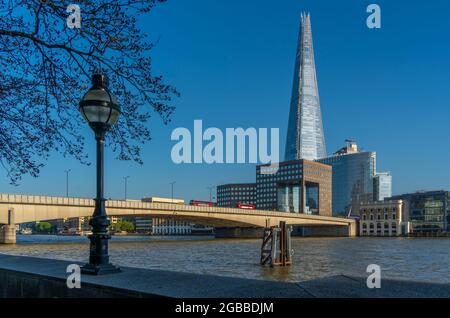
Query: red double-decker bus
x=201, y=203
x=246, y=206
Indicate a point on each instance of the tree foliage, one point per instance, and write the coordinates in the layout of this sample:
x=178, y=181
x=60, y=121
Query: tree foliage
x=123, y=226
x=43, y=227
x=46, y=67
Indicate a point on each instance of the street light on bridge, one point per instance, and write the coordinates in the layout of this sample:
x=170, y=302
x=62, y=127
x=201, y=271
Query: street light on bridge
x=172, y=184
x=101, y=111
x=67, y=181
x=126, y=183
x=210, y=193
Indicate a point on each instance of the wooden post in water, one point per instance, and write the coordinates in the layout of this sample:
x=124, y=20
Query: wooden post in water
x=276, y=246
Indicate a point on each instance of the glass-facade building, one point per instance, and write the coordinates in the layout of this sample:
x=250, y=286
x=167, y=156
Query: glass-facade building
x=305, y=136
x=429, y=212
x=352, y=179
x=382, y=186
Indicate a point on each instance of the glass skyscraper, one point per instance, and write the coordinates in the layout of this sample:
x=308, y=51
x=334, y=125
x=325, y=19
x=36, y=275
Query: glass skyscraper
x=305, y=136
x=382, y=186
x=353, y=174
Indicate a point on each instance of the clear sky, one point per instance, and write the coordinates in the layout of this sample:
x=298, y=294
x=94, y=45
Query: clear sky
x=232, y=61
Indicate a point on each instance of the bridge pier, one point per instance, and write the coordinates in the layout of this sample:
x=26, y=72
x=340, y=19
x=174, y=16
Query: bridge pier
x=7, y=234
x=8, y=231
x=239, y=232
x=353, y=229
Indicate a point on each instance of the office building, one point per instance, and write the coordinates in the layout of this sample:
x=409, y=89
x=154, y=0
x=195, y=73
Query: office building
x=383, y=218
x=305, y=136
x=429, y=212
x=143, y=224
x=382, y=186
x=73, y=224
x=162, y=226
x=230, y=195
x=353, y=173
x=297, y=186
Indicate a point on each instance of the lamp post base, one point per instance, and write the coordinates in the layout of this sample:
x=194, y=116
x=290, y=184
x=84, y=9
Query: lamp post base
x=103, y=269
x=98, y=257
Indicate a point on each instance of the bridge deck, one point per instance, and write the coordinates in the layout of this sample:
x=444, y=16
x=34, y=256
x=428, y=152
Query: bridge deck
x=29, y=208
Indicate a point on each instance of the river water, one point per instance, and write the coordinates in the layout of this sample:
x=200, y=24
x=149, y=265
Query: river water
x=418, y=259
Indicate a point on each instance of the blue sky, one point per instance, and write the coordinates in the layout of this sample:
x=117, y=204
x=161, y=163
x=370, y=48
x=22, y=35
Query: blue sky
x=232, y=62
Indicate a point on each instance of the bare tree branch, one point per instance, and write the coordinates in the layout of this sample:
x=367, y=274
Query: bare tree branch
x=45, y=68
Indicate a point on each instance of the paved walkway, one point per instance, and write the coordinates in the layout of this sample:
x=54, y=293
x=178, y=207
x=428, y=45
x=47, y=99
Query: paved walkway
x=35, y=277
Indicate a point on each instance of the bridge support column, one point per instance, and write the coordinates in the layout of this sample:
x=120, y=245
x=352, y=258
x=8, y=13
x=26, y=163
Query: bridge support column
x=7, y=234
x=8, y=231
x=353, y=229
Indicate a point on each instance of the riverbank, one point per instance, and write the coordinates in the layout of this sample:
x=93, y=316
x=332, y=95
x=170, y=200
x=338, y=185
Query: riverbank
x=423, y=259
x=36, y=277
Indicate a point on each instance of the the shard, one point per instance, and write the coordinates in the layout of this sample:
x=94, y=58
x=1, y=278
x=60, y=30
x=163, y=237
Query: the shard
x=305, y=137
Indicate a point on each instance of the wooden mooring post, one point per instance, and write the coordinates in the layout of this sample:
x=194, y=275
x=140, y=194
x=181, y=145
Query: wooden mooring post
x=276, y=249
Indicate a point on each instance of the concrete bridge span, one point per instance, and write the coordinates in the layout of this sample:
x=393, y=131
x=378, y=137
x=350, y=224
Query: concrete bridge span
x=17, y=209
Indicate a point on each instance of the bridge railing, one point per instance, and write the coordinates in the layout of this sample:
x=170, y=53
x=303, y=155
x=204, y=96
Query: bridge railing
x=121, y=204
x=41, y=199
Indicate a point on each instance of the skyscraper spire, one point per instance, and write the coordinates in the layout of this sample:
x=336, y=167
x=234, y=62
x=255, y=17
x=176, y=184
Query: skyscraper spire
x=305, y=137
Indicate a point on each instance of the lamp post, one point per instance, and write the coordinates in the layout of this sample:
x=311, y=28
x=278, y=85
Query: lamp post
x=126, y=181
x=100, y=110
x=67, y=181
x=172, y=184
x=210, y=193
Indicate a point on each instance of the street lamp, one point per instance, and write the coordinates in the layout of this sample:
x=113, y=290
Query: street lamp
x=172, y=184
x=100, y=109
x=67, y=181
x=126, y=181
x=210, y=193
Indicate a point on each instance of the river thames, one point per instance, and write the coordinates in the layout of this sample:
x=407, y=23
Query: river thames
x=418, y=259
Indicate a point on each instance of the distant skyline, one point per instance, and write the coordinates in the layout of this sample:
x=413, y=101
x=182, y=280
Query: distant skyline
x=232, y=62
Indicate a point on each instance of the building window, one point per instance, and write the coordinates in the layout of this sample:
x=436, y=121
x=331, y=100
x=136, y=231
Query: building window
x=386, y=228
x=394, y=228
x=379, y=228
